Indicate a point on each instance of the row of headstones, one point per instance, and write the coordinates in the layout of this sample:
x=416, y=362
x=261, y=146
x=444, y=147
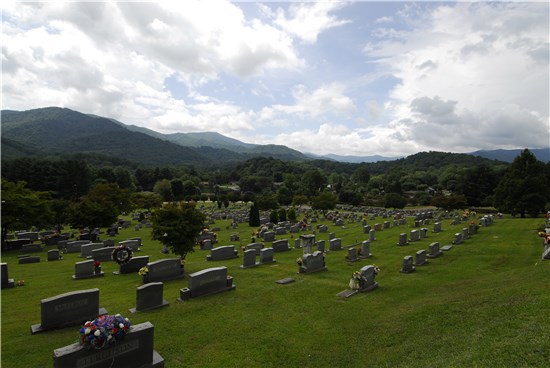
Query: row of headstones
x=421, y=257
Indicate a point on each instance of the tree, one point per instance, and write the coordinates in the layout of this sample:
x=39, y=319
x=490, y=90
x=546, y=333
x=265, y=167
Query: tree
x=274, y=216
x=164, y=189
x=450, y=202
x=291, y=215
x=23, y=208
x=395, y=200
x=146, y=200
x=324, y=201
x=177, y=227
x=524, y=187
x=282, y=214
x=254, y=215
x=100, y=207
x=313, y=182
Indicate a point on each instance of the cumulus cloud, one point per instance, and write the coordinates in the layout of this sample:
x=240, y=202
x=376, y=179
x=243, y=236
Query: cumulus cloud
x=474, y=67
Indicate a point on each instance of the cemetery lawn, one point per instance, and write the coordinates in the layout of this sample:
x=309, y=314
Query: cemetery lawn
x=484, y=303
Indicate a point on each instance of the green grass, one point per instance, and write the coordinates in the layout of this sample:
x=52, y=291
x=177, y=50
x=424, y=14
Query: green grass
x=485, y=303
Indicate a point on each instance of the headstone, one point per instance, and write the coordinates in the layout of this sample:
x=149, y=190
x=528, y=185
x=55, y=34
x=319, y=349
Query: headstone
x=30, y=248
x=6, y=281
x=68, y=309
x=29, y=259
x=249, y=259
x=102, y=254
x=256, y=246
x=447, y=248
x=31, y=235
x=465, y=234
x=434, y=250
x=372, y=235
x=321, y=246
x=86, y=249
x=133, y=244
x=86, y=270
x=352, y=255
x=323, y=228
x=331, y=236
x=266, y=256
x=136, y=349
x=15, y=244
x=222, y=253
x=402, y=239
x=313, y=263
x=366, y=229
x=209, y=281
x=269, y=236
x=415, y=236
x=423, y=233
x=74, y=246
x=335, y=244
x=54, y=255
x=149, y=296
x=308, y=242
x=420, y=258
x=407, y=265
x=378, y=227
x=133, y=265
x=280, y=245
x=458, y=238
x=367, y=283
x=206, y=244
x=365, y=249
x=165, y=270
x=386, y=224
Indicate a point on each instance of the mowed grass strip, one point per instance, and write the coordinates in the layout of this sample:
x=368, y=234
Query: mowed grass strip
x=484, y=303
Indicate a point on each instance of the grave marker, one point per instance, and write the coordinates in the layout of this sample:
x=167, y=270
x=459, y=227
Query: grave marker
x=206, y=282
x=149, y=296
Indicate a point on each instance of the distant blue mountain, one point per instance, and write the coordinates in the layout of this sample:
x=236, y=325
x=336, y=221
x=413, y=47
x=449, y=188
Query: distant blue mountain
x=542, y=154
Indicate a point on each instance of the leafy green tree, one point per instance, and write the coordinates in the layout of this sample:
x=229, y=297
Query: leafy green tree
x=23, y=208
x=147, y=200
x=324, y=201
x=254, y=215
x=478, y=184
x=361, y=175
x=164, y=189
x=176, y=185
x=177, y=227
x=313, y=182
x=394, y=200
x=450, y=202
x=524, y=187
x=101, y=206
x=267, y=202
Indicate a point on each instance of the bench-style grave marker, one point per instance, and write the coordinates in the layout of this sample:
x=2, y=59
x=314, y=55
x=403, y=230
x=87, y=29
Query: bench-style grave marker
x=407, y=265
x=135, y=349
x=86, y=270
x=164, y=270
x=420, y=258
x=222, y=253
x=133, y=265
x=149, y=296
x=6, y=281
x=313, y=262
x=206, y=282
x=435, y=251
x=68, y=309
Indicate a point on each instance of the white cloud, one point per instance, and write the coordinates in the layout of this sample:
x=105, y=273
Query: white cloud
x=308, y=20
x=475, y=67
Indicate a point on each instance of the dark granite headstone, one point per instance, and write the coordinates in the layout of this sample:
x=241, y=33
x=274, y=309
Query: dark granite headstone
x=209, y=281
x=149, y=296
x=6, y=281
x=133, y=265
x=222, y=253
x=68, y=309
x=266, y=256
x=165, y=270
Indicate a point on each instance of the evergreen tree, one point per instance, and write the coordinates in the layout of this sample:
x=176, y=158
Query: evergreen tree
x=254, y=217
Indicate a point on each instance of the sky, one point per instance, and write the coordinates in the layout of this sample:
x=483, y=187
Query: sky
x=350, y=78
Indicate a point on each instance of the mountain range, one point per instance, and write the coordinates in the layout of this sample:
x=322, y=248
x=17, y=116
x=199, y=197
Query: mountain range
x=54, y=132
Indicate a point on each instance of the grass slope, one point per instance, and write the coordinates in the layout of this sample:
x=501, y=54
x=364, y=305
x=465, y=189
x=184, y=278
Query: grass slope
x=484, y=303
